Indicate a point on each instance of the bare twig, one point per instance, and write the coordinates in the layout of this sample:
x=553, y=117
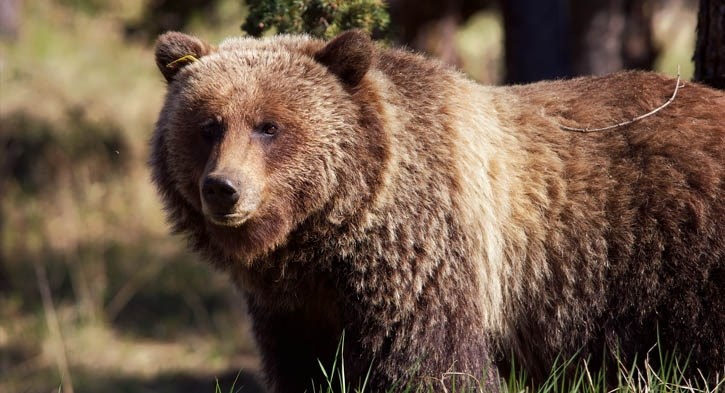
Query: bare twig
x=624, y=123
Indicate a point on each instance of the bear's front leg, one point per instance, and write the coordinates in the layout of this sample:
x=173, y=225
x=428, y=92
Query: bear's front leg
x=292, y=344
x=418, y=355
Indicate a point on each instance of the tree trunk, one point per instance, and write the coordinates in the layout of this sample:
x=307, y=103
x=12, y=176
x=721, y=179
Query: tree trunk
x=536, y=44
x=710, y=48
x=9, y=18
x=430, y=25
x=611, y=35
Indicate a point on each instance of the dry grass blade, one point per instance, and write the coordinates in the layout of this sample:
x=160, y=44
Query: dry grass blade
x=51, y=318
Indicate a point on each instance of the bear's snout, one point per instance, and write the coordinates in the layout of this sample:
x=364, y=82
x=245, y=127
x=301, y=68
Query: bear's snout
x=225, y=200
x=220, y=193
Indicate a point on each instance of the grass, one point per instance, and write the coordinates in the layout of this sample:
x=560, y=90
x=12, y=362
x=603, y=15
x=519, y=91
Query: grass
x=568, y=376
x=232, y=389
x=94, y=293
x=669, y=377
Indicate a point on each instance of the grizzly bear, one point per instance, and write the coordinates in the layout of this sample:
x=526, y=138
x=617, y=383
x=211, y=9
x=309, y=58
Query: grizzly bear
x=442, y=227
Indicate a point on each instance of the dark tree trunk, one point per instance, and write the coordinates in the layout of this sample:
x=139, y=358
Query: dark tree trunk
x=536, y=40
x=4, y=164
x=430, y=25
x=610, y=35
x=4, y=276
x=544, y=39
x=710, y=48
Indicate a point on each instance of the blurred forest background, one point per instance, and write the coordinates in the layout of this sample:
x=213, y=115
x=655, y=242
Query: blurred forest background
x=95, y=295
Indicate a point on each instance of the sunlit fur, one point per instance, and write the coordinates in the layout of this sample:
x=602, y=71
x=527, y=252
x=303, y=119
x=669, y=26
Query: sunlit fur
x=443, y=225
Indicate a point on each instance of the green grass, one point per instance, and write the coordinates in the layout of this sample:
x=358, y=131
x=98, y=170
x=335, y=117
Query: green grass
x=232, y=388
x=569, y=376
x=572, y=375
x=335, y=376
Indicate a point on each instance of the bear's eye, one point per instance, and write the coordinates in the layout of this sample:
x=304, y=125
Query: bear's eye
x=212, y=129
x=267, y=129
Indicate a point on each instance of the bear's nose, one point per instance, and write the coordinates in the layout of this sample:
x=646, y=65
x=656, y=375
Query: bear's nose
x=220, y=193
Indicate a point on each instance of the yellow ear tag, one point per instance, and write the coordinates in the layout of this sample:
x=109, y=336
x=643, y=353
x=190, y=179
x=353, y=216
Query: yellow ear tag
x=183, y=59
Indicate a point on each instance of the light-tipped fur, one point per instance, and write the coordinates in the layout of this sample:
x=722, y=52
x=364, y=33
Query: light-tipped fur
x=443, y=225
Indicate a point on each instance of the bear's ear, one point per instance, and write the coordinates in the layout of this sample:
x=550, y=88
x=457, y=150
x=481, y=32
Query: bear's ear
x=348, y=56
x=175, y=50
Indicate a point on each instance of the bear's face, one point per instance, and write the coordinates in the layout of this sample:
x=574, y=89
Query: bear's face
x=252, y=134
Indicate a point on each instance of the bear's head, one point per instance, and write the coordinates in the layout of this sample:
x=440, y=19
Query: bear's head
x=257, y=136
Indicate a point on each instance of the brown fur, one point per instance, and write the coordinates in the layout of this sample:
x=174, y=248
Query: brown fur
x=441, y=224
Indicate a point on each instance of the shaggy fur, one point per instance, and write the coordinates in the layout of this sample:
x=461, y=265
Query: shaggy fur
x=443, y=225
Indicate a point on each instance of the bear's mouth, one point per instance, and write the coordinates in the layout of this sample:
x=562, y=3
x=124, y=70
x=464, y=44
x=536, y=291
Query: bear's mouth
x=229, y=219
